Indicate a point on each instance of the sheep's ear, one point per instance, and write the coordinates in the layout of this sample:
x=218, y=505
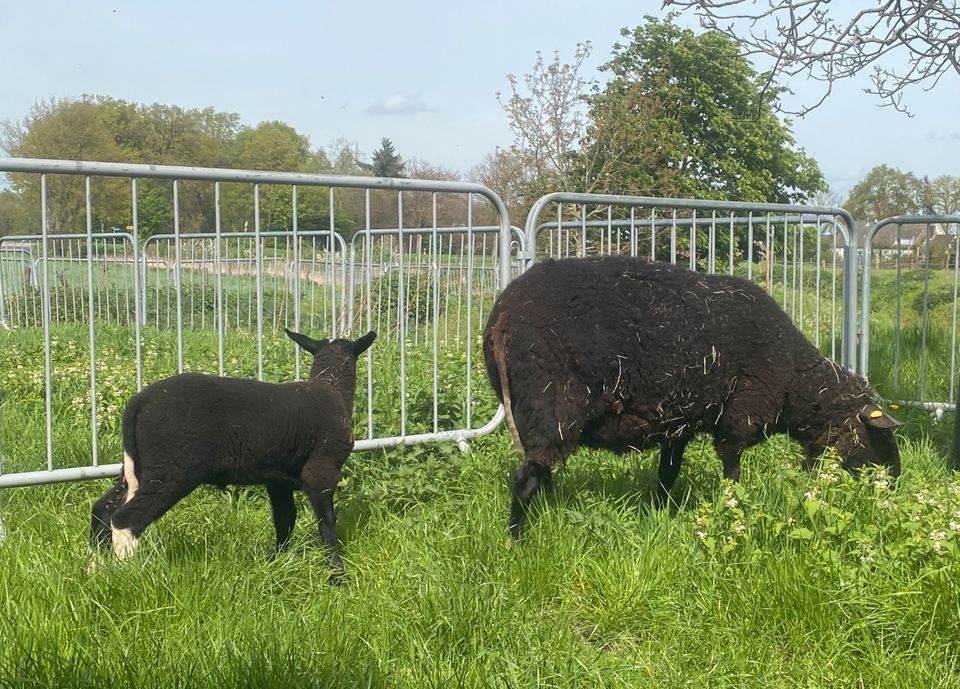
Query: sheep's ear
x=361, y=345
x=873, y=415
x=308, y=343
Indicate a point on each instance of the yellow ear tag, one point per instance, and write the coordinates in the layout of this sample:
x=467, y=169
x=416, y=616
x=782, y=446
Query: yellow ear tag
x=876, y=414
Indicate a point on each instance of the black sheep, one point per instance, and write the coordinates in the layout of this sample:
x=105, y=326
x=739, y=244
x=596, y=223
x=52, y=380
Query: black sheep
x=193, y=429
x=622, y=354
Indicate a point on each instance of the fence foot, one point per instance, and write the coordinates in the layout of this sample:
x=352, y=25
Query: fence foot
x=463, y=444
x=3, y=532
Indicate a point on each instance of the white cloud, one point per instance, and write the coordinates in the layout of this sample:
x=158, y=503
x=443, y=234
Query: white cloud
x=398, y=105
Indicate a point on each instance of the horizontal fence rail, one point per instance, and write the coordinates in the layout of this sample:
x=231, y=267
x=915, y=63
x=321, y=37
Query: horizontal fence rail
x=804, y=256
x=911, y=262
x=202, y=271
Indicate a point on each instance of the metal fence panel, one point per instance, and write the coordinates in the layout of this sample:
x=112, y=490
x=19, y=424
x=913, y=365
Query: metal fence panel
x=430, y=289
x=802, y=255
x=911, y=262
x=107, y=320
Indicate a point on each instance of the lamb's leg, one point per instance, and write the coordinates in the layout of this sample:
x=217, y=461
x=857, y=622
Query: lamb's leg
x=320, y=479
x=144, y=507
x=103, y=509
x=526, y=482
x=671, y=457
x=284, y=512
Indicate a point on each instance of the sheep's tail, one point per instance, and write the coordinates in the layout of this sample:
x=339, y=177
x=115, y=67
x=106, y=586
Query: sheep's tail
x=497, y=347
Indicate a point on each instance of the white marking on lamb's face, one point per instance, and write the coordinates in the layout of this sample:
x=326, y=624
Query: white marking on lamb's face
x=124, y=543
x=129, y=477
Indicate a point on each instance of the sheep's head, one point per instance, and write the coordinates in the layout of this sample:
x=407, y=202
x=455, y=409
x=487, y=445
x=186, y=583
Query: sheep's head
x=875, y=443
x=333, y=358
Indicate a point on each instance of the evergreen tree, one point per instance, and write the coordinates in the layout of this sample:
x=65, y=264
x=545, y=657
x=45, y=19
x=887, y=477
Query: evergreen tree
x=386, y=162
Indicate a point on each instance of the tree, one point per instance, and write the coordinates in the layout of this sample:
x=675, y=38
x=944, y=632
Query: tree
x=548, y=119
x=505, y=172
x=386, y=162
x=418, y=206
x=276, y=146
x=811, y=37
x=883, y=193
x=944, y=195
x=107, y=129
x=71, y=129
x=687, y=115
x=13, y=218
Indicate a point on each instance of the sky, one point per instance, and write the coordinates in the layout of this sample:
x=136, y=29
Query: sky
x=425, y=74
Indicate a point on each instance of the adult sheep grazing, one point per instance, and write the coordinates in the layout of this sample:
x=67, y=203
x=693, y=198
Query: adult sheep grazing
x=619, y=353
x=194, y=429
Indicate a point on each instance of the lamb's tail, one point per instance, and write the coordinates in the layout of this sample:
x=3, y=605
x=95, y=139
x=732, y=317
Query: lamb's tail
x=131, y=465
x=497, y=346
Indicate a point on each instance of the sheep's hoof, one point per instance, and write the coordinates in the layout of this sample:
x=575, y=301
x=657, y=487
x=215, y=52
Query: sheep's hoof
x=508, y=543
x=338, y=578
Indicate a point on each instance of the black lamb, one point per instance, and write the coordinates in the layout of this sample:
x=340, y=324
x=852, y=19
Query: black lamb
x=194, y=429
x=622, y=354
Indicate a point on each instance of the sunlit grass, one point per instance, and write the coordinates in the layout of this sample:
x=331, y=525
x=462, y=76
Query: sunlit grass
x=602, y=591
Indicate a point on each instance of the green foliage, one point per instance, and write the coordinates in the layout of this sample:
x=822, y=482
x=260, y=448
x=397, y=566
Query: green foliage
x=106, y=129
x=386, y=162
x=883, y=193
x=686, y=115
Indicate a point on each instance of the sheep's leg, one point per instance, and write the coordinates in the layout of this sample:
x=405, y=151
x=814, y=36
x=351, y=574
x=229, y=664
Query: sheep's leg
x=320, y=480
x=143, y=508
x=526, y=482
x=671, y=457
x=284, y=512
x=103, y=509
x=729, y=454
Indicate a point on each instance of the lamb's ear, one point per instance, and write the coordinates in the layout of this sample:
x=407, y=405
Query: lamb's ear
x=873, y=415
x=308, y=343
x=361, y=345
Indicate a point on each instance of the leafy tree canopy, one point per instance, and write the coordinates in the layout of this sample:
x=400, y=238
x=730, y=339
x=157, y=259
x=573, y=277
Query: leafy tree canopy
x=685, y=114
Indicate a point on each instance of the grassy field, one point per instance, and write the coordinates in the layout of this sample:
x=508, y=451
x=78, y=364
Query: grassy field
x=789, y=579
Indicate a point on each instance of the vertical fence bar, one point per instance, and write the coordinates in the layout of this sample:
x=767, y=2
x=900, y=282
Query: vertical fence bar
x=470, y=257
x=137, y=305
x=45, y=301
x=90, y=326
x=296, y=277
x=258, y=255
x=953, y=325
x=178, y=275
x=436, y=315
x=331, y=243
x=402, y=317
x=218, y=306
x=925, y=318
x=368, y=246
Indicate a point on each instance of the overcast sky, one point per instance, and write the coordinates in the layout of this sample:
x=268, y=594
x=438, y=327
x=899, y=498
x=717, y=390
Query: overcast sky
x=423, y=73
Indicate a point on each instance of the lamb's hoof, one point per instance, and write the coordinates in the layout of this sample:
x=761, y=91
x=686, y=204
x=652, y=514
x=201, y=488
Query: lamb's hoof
x=338, y=578
x=508, y=543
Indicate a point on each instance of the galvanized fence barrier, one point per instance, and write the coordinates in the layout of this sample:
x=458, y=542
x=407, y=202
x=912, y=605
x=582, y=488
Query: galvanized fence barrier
x=803, y=255
x=910, y=261
x=95, y=321
x=217, y=287
x=430, y=291
x=111, y=260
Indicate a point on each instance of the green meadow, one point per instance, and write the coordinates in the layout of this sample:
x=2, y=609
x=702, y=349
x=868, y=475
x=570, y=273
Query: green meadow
x=788, y=579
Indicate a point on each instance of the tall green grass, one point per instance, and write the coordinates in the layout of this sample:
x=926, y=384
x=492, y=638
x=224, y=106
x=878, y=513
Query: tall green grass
x=789, y=579
x=759, y=585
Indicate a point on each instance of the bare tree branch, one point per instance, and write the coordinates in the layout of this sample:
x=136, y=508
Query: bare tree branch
x=903, y=43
